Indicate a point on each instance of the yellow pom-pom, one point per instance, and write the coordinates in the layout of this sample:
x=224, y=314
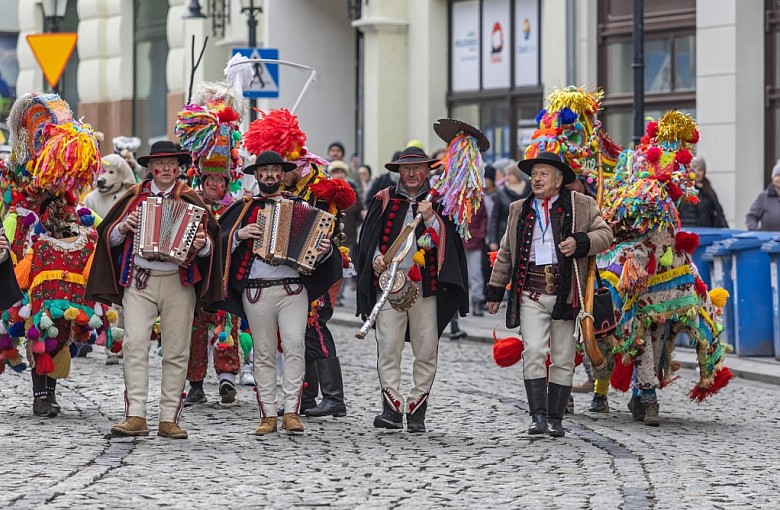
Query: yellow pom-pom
x=294, y=155
x=112, y=316
x=71, y=313
x=719, y=297
x=419, y=257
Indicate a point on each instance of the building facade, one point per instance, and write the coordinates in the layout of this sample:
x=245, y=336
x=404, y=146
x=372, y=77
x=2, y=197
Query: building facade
x=387, y=69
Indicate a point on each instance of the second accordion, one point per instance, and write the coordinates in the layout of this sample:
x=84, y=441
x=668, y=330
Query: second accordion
x=291, y=232
x=167, y=228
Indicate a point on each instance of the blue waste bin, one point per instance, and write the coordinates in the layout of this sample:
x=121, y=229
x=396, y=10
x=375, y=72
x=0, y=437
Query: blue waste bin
x=707, y=237
x=773, y=249
x=753, y=329
x=718, y=258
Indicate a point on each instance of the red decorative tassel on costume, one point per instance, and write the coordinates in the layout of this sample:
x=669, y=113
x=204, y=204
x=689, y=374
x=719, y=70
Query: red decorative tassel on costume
x=507, y=351
x=722, y=378
x=414, y=274
x=701, y=287
x=44, y=364
x=621, y=376
x=578, y=358
x=492, y=255
x=686, y=241
x=116, y=346
x=335, y=192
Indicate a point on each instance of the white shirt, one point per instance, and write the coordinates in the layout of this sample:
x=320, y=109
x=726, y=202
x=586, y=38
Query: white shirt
x=118, y=238
x=549, y=237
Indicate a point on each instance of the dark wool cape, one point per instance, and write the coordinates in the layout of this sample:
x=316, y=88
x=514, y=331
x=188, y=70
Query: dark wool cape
x=452, y=292
x=326, y=273
x=103, y=284
x=11, y=292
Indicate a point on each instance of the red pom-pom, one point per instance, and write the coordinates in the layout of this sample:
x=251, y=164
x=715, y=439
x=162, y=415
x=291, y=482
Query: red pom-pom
x=228, y=114
x=336, y=192
x=621, y=376
x=191, y=172
x=722, y=378
x=116, y=346
x=654, y=154
x=652, y=129
x=674, y=192
x=579, y=358
x=414, y=274
x=492, y=255
x=683, y=157
x=686, y=241
x=507, y=351
x=701, y=287
x=44, y=364
x=694, y=137
x=433, y=235
x=276, y=130
x=645, y=140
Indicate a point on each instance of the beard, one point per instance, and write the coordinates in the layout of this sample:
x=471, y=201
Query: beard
x=269, y=188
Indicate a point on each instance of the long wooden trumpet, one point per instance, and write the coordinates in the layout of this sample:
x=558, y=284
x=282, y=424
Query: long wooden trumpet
x=588, y=332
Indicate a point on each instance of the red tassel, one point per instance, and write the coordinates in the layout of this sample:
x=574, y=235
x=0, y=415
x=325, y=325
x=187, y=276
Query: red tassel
x=686, y=241
x=493, y=255
x=651, y=264
x=621, y=376
x=434, y=236
x=414, y=274
x=578, y=358
x=507, y=351
x=667, y=382
x=722, y=378
x=701, y=287
x=116, y=346
x=44, y=364
x=335, y=192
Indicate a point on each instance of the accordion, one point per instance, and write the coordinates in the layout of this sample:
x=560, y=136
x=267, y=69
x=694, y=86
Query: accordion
x=291, y=231
x=166, y=229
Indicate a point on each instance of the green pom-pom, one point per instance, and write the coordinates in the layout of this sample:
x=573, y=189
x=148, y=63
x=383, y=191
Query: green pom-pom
x=245, y=341
x=56, y=312
x=235, y=186
x=95, y=322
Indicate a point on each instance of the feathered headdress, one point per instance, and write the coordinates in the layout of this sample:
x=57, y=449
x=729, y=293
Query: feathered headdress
x=209, y=128
x=654, y=177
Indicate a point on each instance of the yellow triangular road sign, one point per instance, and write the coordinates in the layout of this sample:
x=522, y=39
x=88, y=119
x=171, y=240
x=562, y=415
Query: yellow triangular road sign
x=52, y=52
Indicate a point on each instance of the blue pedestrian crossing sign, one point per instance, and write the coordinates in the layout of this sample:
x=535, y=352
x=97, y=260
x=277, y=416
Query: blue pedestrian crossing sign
x=265, y=75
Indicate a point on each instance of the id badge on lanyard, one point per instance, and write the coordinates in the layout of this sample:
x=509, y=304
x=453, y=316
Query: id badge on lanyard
x=543, y=249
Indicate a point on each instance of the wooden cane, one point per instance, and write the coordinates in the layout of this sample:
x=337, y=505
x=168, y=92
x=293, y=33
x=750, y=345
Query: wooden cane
x=588, y=332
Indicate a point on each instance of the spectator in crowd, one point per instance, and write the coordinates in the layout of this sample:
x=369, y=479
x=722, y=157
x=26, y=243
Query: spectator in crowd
x=365, y=180
x=515, y=187
x=475, y=250
x=764, y=214
x=353, y=217
x=336, y=151
x=708, y=212
x=501, y=165
x=488, y=199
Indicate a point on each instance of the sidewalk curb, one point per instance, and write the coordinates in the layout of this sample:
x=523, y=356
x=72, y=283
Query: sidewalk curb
x=765, y=371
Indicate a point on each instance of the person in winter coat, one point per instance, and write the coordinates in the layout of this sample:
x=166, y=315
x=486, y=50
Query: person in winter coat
x=764, y=214
x=515, y=188
x=708, y=212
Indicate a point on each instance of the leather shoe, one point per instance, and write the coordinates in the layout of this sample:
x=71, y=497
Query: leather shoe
x=600, y=404
x=555, y=428
x=651, y=414
x=227, y=392
x=389, y=419
x=132, y=426
x=637, y=408
x=171, y=430
x=538, y=424
x=42, y=406
x=267, y=426
x=415, y=422
x=291, y=422
x=194, y=396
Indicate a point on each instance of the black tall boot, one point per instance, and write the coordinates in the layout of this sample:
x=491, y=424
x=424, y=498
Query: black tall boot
x=332, y=387
x=536, y=392
x=41, y=404
x=51, y=388
x=558, y=397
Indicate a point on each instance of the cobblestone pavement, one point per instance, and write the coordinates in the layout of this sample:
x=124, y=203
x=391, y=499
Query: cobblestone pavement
x=722, y=454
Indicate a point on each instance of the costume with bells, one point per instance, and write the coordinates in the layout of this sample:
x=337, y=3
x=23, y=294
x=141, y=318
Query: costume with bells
x=655, y=286
x=146, y=289
x=54, y=316
x=278, y=130
x=209, y=129
x=435, y=266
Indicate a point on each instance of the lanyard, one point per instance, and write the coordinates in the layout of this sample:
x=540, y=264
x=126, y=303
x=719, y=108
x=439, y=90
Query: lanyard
x=543, y=228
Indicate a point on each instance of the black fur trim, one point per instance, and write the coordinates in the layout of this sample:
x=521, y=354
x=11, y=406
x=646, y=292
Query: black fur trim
x=562, y=310
x=494, y=293
x=583, y=245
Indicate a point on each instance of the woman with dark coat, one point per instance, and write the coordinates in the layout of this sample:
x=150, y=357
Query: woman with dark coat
x=764, y=214
x=515, y=188
x=708, y=212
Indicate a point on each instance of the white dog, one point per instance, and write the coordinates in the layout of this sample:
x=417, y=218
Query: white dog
x=115, y=178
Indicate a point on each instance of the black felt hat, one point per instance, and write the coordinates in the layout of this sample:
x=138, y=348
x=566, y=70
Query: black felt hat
x=270, y=158
x=552, y=159
x=165, y=149
x=409, y=156
x=447, y=129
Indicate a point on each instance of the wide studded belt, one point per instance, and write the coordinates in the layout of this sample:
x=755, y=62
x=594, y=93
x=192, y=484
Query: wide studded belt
x=264, y=284
x=542, y=279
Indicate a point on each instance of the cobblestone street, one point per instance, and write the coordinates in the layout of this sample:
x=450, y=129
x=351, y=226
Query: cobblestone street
x=721, y=454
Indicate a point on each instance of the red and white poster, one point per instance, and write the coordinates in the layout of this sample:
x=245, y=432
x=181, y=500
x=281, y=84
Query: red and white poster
x=496, y=44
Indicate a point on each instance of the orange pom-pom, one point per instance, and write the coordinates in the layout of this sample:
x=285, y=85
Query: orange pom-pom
x=22, y=270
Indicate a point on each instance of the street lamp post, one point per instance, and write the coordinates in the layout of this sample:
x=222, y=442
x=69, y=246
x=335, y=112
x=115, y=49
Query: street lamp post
x=638, y=65
x=251, y=10
x=54, y=12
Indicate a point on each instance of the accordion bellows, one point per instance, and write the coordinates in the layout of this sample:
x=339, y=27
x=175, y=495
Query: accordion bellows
x=167, y=228
x=291, y=232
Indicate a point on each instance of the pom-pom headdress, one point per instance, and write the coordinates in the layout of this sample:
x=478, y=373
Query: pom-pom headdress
x=29, y=116
x=277, y=131
x=654, y=177
x=69, y=160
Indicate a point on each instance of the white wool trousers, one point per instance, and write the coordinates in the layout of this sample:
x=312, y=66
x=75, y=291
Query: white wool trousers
x=390, y=339
x=282, y=308
x=542, y=336
x=164, y=295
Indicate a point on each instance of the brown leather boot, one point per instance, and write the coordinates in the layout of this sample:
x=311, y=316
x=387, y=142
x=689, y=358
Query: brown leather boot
x=267, y=426
x=132, y=426
x=171, y=430
x=651, y=414
x=291, y=422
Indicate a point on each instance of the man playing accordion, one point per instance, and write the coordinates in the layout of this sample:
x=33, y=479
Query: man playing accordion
x=147, y=287
x=274, y=299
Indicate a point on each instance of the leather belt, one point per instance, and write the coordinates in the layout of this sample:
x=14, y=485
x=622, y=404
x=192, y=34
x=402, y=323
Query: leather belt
x=264, y=284
x=542, y=279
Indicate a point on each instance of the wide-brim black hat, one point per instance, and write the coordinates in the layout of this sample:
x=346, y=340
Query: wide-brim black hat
x=447, y=129
x=270, y=158
x=409, y=156
x=165, y=149
x=552, y=159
